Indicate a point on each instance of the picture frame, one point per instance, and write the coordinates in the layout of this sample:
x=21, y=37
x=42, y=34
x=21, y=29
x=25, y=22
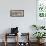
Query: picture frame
x=17, y=13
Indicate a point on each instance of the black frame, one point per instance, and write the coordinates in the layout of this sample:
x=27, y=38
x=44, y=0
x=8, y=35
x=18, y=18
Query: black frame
x=15, y=12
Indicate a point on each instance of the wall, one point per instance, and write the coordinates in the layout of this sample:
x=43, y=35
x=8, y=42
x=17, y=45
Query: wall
x=24, y=23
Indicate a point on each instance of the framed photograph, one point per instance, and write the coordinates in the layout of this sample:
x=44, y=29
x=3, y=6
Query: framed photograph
x=17, y=13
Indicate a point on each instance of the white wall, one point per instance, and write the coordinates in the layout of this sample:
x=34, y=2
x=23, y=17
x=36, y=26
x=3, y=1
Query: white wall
x=24, y=23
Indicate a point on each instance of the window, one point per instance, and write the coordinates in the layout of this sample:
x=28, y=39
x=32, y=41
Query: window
x=41, y=8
